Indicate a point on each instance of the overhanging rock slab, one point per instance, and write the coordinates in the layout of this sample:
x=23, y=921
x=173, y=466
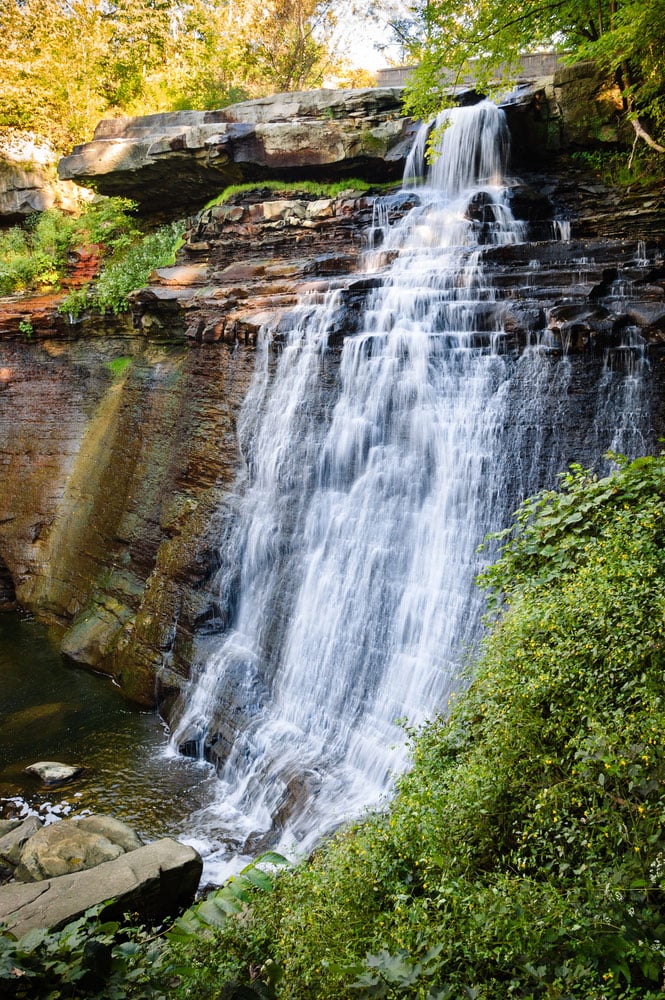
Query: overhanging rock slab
x=181, y=159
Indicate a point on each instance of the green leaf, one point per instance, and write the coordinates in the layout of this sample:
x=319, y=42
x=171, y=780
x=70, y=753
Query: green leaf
x=211, y=913
x=271, y=858
x=259, y=879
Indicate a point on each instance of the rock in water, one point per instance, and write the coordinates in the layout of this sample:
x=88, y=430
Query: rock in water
x=74, y=845
x=154, y=881
x=53, y=773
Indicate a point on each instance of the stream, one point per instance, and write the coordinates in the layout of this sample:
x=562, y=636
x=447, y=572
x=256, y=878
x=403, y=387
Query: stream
x=51, y=711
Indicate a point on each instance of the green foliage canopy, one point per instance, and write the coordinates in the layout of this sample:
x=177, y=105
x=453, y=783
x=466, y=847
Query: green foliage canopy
x=68, y=63
x=625, y=37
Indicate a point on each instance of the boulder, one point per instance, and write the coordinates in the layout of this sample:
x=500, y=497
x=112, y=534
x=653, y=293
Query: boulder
x=7, y=825
x=28, y=178
x=113, y=829
x=589, y=107
x=13, y=842
x=153, y=881
x=74, y=845
x=53, y=773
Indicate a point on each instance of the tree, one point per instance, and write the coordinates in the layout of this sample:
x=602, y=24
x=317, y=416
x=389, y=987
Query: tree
x=287, y=44
x=625, y=37
x=48, y=67
x=68, y=63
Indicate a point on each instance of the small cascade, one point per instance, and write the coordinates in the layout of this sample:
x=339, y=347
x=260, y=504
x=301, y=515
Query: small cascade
x=372, y=475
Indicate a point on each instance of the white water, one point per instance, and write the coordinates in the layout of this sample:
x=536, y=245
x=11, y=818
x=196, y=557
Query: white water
x=348, y=572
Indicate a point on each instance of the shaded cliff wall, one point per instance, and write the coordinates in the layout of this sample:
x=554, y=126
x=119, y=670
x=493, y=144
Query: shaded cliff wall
x=118, y=443
x=110, y=472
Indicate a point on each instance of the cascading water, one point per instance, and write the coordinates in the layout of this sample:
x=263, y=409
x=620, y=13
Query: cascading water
x=347, y=576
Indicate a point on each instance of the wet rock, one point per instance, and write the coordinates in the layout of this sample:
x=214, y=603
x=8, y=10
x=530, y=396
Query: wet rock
x=529, y=204
x=73, y=845
x=153, y=881
x=53, y=773
x=12, y=843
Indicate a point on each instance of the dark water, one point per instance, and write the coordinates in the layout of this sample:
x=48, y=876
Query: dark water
x=51, y=711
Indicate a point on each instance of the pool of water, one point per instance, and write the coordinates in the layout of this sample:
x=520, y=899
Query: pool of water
x=52, y=711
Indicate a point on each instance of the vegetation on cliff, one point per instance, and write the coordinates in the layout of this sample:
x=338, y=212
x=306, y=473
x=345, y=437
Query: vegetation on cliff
x=486, y=37
x=37, y=257
x=524, y=853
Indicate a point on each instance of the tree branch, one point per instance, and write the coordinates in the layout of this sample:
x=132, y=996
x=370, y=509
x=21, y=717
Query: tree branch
x=643, y=134
x=527, y=15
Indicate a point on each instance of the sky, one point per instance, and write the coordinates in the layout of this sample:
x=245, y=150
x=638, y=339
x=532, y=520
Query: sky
x=368, y=42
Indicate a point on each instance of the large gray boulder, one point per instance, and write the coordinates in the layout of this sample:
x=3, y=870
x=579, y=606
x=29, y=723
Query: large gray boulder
x=154, y=881
x=28, y=178
x=73, y=845
x=183, y=158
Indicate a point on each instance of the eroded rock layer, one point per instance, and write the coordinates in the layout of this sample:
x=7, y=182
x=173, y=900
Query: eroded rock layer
x=182, y=158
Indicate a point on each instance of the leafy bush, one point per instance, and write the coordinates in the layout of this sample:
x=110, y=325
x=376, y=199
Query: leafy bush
x=641, y=168
x=128, y=268
x=89, y=957
x=36, y=256
x=523, y=855
x=97, y=958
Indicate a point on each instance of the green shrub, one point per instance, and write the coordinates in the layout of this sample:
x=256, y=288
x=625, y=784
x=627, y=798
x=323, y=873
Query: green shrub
x=35, y=256
x=89, y=957
x=130, y=268
x=523, y=855
x=641, y=168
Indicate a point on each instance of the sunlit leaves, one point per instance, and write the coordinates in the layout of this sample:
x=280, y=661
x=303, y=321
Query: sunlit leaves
x=627, y=38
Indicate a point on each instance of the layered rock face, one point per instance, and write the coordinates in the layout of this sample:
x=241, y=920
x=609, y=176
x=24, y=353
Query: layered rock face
x=119, y=459
x=119, y=445
x=29, y=181
x=181, y=159
x=104, y=475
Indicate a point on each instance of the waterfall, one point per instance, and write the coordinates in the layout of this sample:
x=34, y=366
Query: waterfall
x=347, y=581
